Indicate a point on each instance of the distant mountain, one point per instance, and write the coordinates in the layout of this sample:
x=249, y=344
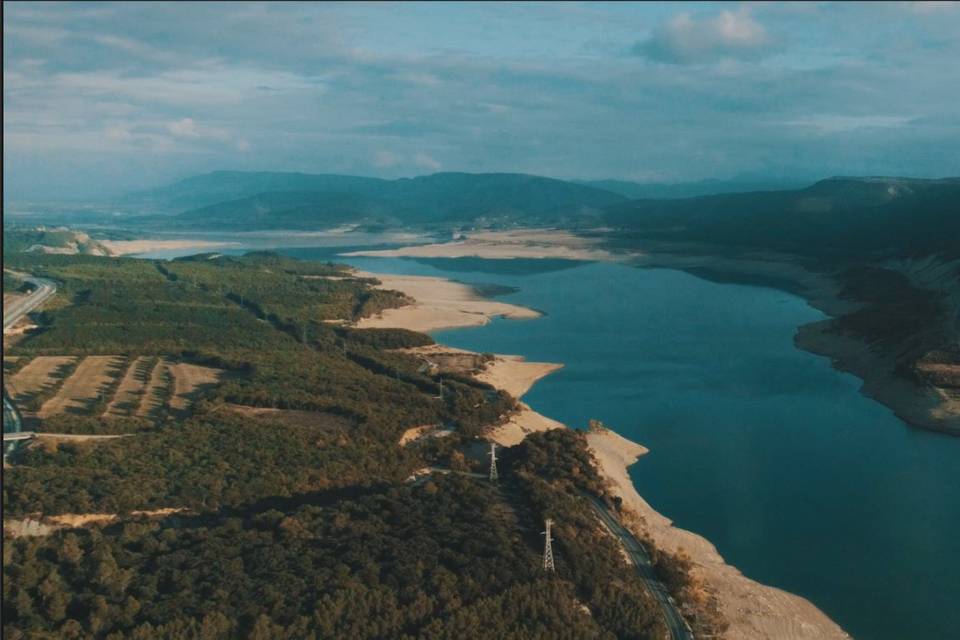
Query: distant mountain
x=838, y=215
x=660, y=190
x=222, y=186
x=282, y=200
x=291, y=210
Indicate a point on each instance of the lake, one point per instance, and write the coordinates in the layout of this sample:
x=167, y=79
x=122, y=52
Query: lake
x=768, y=452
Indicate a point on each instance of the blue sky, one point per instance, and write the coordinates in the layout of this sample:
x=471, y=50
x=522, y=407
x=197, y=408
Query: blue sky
x=104, y=98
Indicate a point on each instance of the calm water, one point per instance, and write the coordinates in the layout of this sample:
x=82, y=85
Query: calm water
x=776, y=458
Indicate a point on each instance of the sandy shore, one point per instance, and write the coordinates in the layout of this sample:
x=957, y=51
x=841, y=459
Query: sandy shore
x=753, y=611
x=127, y=247
x=518, y=243
x=440, y=304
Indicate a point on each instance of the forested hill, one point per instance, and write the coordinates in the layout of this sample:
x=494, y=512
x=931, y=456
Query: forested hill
x=842, y=216
x=279, y=200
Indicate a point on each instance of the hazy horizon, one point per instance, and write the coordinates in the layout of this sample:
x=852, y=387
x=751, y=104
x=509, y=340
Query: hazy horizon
x=104, y=99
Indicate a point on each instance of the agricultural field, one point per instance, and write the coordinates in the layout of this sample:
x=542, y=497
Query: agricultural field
x=126, y=400
x=109, y=387
x=39, y=378
x=85, y=387
x=190, y=382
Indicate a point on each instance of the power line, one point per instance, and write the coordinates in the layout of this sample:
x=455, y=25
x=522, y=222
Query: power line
x=548, y=547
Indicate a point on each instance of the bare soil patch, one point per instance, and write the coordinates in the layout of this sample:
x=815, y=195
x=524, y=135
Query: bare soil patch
x=189, y=382
x=267, y=416
x=158, y=388
x=38, y=375
x=84, y=388
x=127, y=398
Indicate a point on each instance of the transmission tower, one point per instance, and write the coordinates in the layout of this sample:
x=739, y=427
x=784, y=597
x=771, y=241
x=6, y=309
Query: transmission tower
x=548, y=548
x=493, y=462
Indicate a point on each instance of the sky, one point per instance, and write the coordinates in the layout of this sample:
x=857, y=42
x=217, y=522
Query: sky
x=102, y=99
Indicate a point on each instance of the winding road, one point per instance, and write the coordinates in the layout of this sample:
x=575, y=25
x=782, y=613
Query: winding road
x=43, y=290
x=641, y=560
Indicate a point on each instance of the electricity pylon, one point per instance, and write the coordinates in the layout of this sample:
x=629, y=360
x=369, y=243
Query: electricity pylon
x=548, y=548
x=493, y=462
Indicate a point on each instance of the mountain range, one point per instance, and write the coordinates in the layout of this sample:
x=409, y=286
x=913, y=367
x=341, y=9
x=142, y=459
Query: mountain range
x=296, y=200
x=843, y=215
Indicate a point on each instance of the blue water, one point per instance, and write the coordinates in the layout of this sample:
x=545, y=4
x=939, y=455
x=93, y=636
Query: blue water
x=775, y=457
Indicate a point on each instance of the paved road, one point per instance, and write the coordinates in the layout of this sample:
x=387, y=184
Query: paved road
x=44, y=289
x=641, y=560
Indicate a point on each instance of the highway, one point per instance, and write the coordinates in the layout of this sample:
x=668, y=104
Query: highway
x=641, y=560
x=44, y=289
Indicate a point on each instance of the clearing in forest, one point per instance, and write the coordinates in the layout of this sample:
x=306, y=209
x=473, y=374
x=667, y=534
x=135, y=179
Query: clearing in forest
x=38, y=375
x=84, y=388
x=189, y=381
x=154, y=398
x=126, y=401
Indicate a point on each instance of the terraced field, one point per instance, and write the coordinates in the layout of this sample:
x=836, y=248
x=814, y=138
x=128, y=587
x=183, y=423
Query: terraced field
x=85, y=387
x=111, y=387
x=42, y=374
x=189, y=381
x=153, y=402
x=126, y=400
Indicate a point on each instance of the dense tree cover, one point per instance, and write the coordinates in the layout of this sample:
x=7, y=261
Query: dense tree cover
x=456, y=557
x=13, y=284
x=208, y=462
x=255, y=315
x=139, y=306
x=386, y=338
x=299, y=523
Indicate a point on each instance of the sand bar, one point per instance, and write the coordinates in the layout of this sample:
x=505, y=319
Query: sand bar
x=127, y=247
x=501, y=245
x=440, y=304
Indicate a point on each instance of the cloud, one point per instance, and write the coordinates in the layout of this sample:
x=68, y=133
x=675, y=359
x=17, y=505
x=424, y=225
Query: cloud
x=385, y=159
x=423, y=161
x=343, y=88
x=830, y=123
x=687, y=39
x=185, y=128
x=931, y=6
x=419, y=161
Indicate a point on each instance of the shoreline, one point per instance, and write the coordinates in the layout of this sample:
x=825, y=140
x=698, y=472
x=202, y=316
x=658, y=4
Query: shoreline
x=753, y=611
x=439, y=304
x=924, y=407
x=528, y=243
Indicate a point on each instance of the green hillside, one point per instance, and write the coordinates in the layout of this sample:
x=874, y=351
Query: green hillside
x=302, y=201
x=842, y=216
